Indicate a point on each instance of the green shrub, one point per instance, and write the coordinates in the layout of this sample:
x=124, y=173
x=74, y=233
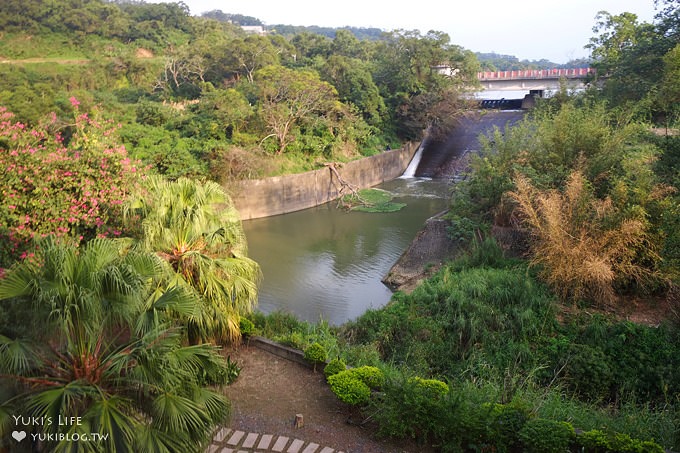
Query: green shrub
x=410, y=407
x=606, y=360
x=639, y=421
x=276, y=323
x=593, y=440
x=285, y=329
x=507, y=420
x=429, y=388
x=247, y=327
x=369, y=375
x=334, y=367
x=540, y=435
x=316, y=354
x=232, y=371
x=293, y=339
x=587, y=372
x=597, y=441
x=440, y=326
x=225, y=373
x=354, y=386
x=464, y=419
x=349, y=388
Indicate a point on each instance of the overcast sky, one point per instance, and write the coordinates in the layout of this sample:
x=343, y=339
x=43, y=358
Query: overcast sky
x=528, y=29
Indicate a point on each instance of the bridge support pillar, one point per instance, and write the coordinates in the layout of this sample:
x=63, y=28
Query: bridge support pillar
x=528, y=102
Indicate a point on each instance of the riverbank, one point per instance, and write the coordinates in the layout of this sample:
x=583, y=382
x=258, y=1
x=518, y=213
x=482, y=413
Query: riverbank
x=426, y=254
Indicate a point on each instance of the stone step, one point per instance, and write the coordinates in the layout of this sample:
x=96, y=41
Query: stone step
x=235, y=441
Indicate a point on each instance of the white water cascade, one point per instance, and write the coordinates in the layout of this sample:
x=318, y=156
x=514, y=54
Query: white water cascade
x=410, y=171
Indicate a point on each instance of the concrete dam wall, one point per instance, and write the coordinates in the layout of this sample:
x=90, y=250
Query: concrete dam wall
x=282, y=194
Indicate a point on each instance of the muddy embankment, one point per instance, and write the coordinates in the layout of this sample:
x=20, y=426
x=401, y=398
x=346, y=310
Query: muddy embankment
x=444, y=159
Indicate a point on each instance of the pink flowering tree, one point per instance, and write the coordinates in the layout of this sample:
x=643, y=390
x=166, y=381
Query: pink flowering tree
x=69, y=180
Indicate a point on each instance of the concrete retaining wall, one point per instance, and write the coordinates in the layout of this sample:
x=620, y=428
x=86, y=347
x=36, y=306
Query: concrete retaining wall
x=282, y=194
x=286, y=352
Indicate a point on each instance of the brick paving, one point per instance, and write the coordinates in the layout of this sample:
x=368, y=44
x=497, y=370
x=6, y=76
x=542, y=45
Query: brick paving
x=227, y=440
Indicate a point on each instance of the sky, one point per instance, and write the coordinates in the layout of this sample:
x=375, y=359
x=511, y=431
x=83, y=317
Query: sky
x=556, y=30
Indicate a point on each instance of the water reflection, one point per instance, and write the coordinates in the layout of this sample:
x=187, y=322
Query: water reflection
x=325, y=263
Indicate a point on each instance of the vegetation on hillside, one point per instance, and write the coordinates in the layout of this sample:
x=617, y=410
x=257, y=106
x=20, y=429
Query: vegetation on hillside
x=586, y=189
x=196, y=95
x=489, y=331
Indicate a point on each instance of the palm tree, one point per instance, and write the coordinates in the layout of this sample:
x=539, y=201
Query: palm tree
x=100, y=346
x=195, y=228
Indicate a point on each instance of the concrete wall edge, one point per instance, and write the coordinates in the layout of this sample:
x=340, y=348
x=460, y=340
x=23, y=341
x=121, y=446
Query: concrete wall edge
x=283, y=194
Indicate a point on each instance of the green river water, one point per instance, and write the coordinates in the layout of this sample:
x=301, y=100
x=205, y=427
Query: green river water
x=326, y=263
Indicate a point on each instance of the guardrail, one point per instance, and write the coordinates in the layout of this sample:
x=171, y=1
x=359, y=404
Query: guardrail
x=571, y=73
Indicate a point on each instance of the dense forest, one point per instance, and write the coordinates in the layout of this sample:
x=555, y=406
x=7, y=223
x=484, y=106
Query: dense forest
x=194, y=93
x=116, y=290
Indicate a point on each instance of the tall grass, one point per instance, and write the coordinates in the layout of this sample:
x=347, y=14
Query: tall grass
x=287, y=329
x=462, y=319
x=581, y=246
x=638, y=421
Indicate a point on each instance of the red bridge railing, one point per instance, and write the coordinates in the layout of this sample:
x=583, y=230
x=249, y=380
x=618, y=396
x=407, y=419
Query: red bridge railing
x=571, y=73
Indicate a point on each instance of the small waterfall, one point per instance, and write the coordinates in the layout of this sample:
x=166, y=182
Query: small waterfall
x=410, y=171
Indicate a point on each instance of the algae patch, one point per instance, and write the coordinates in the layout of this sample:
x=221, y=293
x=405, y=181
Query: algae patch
x=371, y=200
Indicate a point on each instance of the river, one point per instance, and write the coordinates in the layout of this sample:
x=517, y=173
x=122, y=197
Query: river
x=326, y=263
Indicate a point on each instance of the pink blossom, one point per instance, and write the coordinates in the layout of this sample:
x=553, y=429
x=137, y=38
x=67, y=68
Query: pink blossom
x=74, y=102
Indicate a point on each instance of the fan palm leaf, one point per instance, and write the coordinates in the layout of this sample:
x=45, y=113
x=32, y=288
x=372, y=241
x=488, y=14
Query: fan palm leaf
x=110, y=353
x=196, y=230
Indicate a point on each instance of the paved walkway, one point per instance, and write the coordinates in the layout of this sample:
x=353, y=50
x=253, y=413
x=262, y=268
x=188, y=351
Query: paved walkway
x=230, y=441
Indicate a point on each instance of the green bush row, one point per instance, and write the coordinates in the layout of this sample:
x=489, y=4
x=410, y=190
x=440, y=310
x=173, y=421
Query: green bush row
x=463, y=419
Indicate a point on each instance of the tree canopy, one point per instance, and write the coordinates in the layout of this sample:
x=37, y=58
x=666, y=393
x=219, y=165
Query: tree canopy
x=160, y=60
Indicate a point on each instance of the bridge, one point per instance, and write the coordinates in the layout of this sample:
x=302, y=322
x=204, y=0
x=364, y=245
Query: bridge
x=537, y=80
